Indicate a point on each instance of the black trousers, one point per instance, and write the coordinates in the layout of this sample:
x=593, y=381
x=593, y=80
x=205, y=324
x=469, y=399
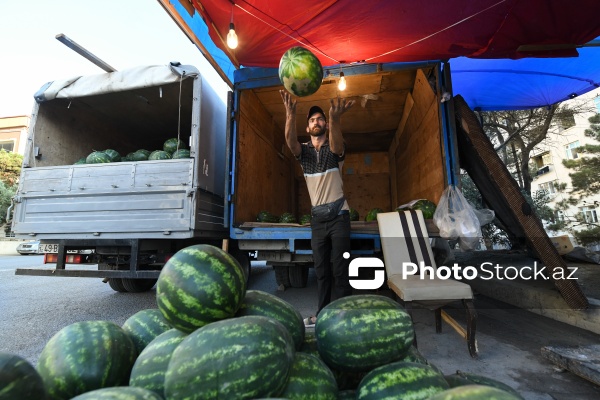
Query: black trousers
x=330, y=240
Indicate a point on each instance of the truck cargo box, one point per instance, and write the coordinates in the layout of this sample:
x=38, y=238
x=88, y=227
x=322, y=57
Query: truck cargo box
x=125, y=111
x=396, y=147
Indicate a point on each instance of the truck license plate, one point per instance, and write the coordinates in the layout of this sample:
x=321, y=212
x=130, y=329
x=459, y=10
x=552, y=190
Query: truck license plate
x=48, y=248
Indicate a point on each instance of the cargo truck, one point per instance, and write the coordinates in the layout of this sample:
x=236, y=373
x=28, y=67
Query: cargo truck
x=133, y=215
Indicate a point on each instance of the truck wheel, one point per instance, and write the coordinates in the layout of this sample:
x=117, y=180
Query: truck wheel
x=138, y=285
x=282, y=275
x=298, y=276
x=116, y=284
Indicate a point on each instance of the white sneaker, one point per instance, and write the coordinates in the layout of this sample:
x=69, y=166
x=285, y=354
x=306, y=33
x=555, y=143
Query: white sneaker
x=309, y=322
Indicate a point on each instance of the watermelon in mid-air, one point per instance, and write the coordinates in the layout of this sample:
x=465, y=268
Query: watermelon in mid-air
x=300, y=72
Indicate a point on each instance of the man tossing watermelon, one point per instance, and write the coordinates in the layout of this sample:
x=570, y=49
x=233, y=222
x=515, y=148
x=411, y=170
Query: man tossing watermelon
x=322, y=159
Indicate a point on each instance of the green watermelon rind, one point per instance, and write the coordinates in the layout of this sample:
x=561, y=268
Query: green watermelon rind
x=243, y=357
x=144, y=326
x=287, y=218
x=159, y=155
x=198, y=285
x=309, y=374
x=19, y=379
x=372, y=214
x=474, y=392
x=361, y=332
x=170, y=145
x=85, y=356
x=258, y=302
x=401, y=380
x=150, y=367
x=300, y=72
x=181, y=153
x=97, y=157
x=113, y=154
x=119, y=393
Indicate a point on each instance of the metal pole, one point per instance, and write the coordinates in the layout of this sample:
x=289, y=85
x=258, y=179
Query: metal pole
x=83, y=52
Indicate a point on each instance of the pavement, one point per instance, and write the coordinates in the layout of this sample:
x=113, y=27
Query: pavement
x=509, y=337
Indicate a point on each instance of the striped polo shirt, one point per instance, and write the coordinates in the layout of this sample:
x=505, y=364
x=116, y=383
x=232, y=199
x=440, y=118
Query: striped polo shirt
x=323, y=174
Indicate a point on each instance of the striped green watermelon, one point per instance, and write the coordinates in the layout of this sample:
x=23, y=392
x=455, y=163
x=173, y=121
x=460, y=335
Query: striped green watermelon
x=401, y=380
x=113, y=154
x=119, y=393
x=461, y=378
x=173, y=144
x=19, y=379
x=144, y=326
x=80, y=161
x=361, y=332
x=198, y=285
x=309, y=344
x=300, y=72
x=97, y=157
x=140, y=155
x=85, y=356
x=474, y=392
x=305, y=219
x=159, y=155
x=308, y=376
x=181, y=153
x=237, y=358
x=151, y=365
x=257, y=302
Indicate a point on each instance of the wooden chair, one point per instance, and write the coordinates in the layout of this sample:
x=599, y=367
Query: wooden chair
x=404, y=239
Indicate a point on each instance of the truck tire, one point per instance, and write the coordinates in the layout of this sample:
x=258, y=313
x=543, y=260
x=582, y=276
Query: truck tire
x=116, y=284
x=298, y=276
x=138, y=285
x=282, y=275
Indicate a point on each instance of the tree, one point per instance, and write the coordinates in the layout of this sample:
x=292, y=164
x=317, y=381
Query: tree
x=516, y=133
x=10, y=169
x=585, y=182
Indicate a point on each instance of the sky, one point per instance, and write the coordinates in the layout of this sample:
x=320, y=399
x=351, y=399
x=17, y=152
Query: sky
x=122, y=33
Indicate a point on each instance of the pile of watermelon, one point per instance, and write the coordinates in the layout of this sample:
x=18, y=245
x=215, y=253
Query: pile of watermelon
x=172, y=148
x=212, y=338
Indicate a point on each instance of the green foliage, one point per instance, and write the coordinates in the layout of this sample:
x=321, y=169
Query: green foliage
x=10, y=167
x=585, y=180
x=6, y=193
x=588, y=237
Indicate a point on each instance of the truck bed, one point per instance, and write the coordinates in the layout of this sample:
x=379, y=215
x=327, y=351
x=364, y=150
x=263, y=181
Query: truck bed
x=147, y=199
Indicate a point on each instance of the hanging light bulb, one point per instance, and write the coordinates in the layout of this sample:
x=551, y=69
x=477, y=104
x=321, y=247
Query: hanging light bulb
x=232, y=40
x=342, y=82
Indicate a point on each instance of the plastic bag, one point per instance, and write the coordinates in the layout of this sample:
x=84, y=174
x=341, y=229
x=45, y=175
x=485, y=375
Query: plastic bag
x=456, y=219
x=485, y=216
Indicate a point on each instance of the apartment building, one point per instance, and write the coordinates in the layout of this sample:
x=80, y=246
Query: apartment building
x=13, y=133
x=562, y=144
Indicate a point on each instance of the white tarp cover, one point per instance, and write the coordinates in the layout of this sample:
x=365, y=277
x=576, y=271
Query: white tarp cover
x=119, y=81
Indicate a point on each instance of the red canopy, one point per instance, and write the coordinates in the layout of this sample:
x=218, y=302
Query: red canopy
x=377, y=31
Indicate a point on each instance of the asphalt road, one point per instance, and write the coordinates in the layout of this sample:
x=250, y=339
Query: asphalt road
x=32, y=309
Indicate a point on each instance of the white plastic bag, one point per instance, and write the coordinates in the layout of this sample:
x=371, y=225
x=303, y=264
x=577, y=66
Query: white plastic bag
x=456, y=219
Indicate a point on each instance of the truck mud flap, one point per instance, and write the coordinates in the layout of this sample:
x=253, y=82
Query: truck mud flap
x=501, y=192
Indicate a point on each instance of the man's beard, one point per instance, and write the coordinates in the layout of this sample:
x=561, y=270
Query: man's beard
x=317, y=131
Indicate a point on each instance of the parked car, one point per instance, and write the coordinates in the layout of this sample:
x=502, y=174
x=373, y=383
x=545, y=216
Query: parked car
x=30, y=247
